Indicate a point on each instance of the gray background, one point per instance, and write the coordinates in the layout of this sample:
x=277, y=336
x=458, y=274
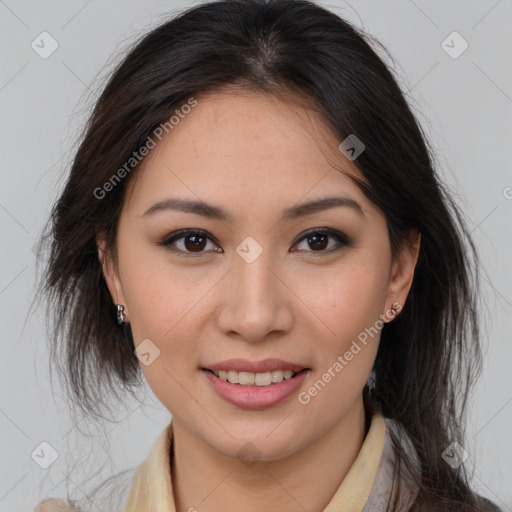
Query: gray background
x=464, y=104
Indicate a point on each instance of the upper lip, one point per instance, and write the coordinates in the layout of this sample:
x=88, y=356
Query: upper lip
x=265, y=365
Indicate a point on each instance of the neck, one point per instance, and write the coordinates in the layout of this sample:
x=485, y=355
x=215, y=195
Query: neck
x=205, y=480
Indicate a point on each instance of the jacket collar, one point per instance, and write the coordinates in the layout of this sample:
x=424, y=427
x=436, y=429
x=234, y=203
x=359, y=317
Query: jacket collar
x=151, y=488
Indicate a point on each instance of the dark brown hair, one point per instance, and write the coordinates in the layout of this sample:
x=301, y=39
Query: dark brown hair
x=428, y=356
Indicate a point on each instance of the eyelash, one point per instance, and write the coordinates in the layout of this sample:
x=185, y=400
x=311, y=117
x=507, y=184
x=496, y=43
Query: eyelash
x=342, y=240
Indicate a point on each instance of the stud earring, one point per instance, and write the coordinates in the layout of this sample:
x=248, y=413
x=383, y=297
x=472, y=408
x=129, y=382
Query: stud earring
x=120, y=315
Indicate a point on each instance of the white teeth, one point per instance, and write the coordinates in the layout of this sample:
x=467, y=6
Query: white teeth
x=263, y=379
x=232, y=377
x=277, y=376
x=251, y=379
x=246, y=378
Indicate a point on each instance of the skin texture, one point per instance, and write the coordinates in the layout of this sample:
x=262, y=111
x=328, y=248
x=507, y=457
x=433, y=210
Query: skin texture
x=255, y=155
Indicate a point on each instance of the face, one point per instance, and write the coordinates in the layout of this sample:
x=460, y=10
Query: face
x=256, y=275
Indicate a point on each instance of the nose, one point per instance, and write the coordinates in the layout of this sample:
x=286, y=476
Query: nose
x=257, y=303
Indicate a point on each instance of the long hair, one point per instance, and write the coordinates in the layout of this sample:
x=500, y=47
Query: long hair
x=428, y=356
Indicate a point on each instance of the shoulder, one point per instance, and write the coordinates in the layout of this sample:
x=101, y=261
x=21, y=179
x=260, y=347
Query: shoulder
x=393, y=474
x=111, y=495
x=385, y=482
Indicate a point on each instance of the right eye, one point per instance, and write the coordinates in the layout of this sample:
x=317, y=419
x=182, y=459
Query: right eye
x=188, y=241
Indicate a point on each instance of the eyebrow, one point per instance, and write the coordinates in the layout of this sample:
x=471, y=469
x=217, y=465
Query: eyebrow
x=216, y=212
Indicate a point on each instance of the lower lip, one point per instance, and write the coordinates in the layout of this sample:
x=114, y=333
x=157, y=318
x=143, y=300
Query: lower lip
x=255, y=397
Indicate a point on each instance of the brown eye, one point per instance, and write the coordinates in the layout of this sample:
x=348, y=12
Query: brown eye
x=188, y=241
x=318, y=241
x=195, y=242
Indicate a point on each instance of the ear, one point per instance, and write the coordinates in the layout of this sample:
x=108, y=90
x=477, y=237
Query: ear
x=110, y=273
x=402, y=271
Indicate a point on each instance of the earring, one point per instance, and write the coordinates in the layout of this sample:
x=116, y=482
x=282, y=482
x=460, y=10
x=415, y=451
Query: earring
x=395, y=308
x=120, y=315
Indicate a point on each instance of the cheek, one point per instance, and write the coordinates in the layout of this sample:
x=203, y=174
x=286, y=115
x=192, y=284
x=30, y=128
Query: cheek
x=160, y=295
x=351, y=310
x=351, y=299
x=350, y=305
x=163, y=309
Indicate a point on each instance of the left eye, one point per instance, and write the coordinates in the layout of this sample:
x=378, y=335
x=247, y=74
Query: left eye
x=318, y=240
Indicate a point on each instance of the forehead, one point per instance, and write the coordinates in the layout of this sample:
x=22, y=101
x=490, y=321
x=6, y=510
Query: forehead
x=254, y=143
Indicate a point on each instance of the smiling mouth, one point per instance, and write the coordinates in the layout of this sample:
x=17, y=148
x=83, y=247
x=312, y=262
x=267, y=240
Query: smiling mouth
x=261, y=379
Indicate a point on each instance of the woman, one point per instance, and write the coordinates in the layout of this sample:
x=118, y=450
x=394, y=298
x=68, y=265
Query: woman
x=253, y=222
